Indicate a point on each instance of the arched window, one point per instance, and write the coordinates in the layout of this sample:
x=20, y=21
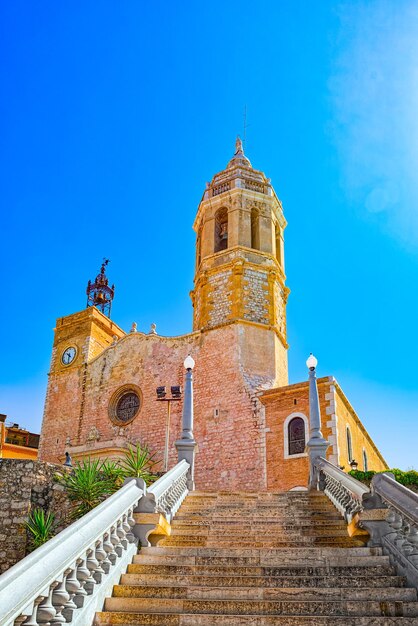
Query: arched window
x=296, y=436
x=221, y=230
x=349, y=446
x=199, y=246
x=278, y=240
x=365, y=462
x=255, y=229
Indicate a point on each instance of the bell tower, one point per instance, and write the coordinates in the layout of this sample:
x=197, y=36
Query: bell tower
x=239, y=277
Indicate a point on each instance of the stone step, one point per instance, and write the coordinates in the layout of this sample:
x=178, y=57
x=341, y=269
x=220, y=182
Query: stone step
x=277, y=533
x=248, y=561
x=261, y=523
x=262, y=516
x=256, y=494
x=263, y=607
x=281, y=553
x=366, y=569
x=255, y=506
x=147, y=619
x=392, y=594
x=265, y=559
x=343, y=542
x=293, y=581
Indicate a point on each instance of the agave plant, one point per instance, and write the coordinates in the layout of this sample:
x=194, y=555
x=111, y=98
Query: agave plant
x=138, y=462
x=40, y=527
x=111, y=471
x=86, y=486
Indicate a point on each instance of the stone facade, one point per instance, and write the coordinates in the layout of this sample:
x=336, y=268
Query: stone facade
x=24, y=486
x=238, y=342
x=286, y=471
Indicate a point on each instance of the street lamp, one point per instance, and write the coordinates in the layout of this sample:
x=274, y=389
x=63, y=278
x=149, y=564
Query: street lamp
x=353, y=465
x=317, y=445
x=162, y=397
x=186, y=445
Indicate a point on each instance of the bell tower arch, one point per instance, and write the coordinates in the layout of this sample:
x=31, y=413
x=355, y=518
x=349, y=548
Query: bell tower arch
x=239, y=275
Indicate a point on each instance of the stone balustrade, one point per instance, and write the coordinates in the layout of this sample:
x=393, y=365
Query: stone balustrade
x=388, y=512
x=344, y=491
x=390, y=516
x=67, y=579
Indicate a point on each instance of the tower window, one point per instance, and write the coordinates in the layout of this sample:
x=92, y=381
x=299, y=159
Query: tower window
x=278, y=244
x=349, y=446
x=365, y=461
x=255, y=229
x=199, y=246
x=221, y=230
x=296, y=436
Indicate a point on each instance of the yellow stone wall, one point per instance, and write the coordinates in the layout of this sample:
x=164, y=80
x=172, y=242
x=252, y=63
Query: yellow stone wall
x=360, y=438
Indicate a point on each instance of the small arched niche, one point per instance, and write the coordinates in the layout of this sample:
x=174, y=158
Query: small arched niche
x=221, y=230
x=255, y=229
x=278, y=243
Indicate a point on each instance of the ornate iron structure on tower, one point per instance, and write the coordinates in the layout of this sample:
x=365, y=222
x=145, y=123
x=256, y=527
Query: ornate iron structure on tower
x=99, y=294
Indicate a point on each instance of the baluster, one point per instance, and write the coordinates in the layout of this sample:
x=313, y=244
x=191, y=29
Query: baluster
x=46, y=610
x=115, y=541
x=32, y=620
x=401, y=541
x=93, y=565
x=72, y=585
x=412, y=539
x=101, y=556
x=125, y=524
x=85, y=578
x=60, y=597
x=131, y=523
x=109, y=549
x=121, y=534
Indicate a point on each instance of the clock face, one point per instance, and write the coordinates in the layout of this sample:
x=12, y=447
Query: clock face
x=68, y=355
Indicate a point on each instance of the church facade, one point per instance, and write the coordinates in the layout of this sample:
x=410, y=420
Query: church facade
x=251, y=426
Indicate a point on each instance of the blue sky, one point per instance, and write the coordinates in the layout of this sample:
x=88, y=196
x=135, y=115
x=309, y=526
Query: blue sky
x=114, y=115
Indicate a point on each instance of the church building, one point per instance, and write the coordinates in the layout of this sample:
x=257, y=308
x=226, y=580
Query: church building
x=251, y=426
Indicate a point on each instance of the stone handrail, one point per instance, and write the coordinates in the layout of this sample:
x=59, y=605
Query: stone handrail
x=344, y=491
x=166, y=495
x=52, y=583
x=67, y=579
x=396, y=496
x=391, y=518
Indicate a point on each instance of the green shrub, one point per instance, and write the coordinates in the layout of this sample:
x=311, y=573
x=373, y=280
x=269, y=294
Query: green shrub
x=40, y=527
x=404, y=478
x=139, y=462
x=86, y=486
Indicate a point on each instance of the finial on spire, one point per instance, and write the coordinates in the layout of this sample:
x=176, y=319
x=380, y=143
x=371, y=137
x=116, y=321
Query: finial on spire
x=238, y=146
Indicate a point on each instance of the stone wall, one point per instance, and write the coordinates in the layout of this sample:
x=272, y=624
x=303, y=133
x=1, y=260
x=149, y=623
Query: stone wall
x=24, y=486
x=286, y=472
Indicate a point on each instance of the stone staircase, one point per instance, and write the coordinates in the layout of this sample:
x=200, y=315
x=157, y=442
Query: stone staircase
x=260, y=559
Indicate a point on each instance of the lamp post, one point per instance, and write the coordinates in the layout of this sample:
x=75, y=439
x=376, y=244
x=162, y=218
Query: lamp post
x=161, y=397
x=317, y=445
x=353, y=465
x=186, y=445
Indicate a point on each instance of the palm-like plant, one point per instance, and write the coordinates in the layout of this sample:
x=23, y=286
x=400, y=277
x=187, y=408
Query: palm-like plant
x=40, y=526
x=86, y=486
x=111, y=471
x=138, y=462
